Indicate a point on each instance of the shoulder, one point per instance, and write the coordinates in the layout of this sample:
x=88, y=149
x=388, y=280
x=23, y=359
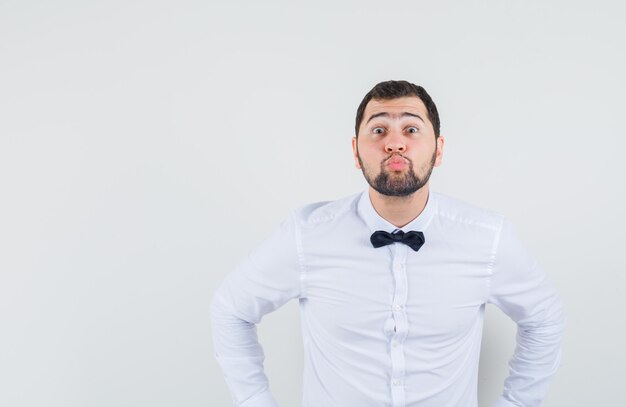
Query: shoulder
x=452, y=210
x=316, y=213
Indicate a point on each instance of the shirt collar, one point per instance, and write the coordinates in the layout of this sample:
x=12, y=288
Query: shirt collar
x=375, y=222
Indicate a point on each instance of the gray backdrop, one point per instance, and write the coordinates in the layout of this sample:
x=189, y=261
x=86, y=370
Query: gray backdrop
x=139, y=139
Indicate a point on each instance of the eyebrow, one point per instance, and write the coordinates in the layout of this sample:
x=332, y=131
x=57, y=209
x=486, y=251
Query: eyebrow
x=385, y=114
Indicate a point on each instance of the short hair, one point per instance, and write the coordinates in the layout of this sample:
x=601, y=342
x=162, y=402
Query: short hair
x=396, y=89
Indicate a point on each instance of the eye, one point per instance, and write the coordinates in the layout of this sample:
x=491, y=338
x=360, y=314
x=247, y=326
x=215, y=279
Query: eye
x=412, y=129
x=378, y=130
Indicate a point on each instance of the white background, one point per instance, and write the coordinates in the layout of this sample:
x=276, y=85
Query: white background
x=147, y=146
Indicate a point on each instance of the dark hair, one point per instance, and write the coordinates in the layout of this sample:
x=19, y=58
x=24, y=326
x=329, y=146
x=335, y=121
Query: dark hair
x=397, y=89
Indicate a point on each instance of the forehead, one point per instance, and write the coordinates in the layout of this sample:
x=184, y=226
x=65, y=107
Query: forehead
x=411, y=104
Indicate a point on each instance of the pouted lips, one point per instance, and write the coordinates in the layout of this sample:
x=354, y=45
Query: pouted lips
x=396, y=163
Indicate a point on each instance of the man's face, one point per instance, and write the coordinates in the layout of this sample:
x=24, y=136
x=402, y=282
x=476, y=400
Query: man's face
x=396, y=147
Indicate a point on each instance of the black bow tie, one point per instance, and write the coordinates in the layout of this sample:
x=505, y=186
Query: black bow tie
x=413, y=239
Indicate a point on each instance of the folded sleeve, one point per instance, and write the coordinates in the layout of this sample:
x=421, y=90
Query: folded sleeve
x=265, y=280
x=520, y=288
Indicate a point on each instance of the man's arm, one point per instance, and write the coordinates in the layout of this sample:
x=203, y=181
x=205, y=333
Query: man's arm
x=520, y=289
x=265, y=280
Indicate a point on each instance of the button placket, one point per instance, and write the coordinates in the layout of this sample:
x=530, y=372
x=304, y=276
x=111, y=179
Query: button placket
x=399, y=254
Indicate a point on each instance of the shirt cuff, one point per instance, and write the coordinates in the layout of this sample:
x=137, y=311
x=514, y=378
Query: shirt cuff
x=263, y=399
x=502, y=402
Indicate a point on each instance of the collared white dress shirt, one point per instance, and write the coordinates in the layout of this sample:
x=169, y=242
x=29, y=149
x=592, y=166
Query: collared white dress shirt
x=388, y=326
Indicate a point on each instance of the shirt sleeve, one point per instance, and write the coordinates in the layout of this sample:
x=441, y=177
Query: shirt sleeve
x=520, y=288
x=265, y=280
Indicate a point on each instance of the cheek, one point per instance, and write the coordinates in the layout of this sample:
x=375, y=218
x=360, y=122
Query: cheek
x=368, y=148
x=367, y=157
x=426, y=148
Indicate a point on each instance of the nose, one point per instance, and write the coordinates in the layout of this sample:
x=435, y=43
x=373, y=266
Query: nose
x=395, y=143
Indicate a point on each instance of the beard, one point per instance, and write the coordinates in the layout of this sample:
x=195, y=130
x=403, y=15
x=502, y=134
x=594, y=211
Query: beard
x=403, y=184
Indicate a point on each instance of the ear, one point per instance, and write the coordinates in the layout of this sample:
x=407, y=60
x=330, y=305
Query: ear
x=355, y=153
x=440, y=142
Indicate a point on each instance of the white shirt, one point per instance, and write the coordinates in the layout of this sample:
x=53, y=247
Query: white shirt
x=388, y=326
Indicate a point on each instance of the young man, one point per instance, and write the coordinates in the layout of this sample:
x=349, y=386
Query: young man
x=392, y=283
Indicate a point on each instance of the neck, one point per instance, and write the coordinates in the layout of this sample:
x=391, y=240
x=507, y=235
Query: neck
x=399, y=210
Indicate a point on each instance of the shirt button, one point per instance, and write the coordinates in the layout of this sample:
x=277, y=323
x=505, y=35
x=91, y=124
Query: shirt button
x=397, y=307
x=397, y=382
x=394, y=344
